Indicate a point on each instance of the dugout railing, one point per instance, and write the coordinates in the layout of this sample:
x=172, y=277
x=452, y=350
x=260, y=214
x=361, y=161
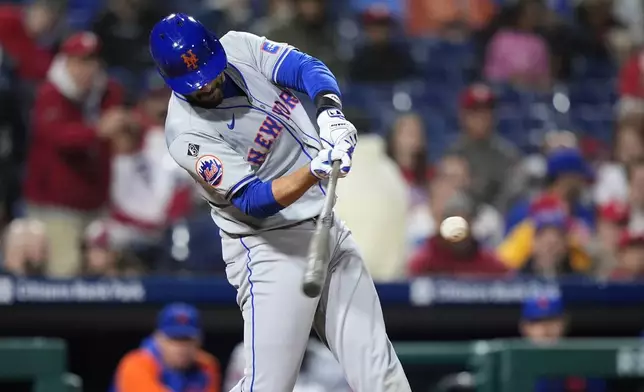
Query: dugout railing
x=42, y=362
x=515, y=365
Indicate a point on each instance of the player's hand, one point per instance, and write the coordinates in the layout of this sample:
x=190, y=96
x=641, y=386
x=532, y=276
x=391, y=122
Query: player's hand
x=112, y=121
x=322, y=164
x=336, y=132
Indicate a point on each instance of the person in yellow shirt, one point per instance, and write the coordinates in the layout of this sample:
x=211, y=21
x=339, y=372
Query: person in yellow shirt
x=567, y=174
x=518, y=248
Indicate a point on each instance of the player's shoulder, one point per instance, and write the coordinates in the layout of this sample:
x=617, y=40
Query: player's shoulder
x=244, y=47
x=207, y=360
x=232, y=39
x=138, y=359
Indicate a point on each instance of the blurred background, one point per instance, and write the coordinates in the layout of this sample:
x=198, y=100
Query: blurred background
x=526, y=117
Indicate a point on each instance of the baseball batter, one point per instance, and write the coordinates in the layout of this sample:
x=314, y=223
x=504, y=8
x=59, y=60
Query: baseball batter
x=235, y=125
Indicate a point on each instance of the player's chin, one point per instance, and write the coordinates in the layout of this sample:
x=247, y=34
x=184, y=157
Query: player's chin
x=216, y=97
x=212, y=98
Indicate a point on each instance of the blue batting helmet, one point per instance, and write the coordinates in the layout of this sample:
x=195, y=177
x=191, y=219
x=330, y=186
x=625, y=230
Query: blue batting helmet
x=188, y=56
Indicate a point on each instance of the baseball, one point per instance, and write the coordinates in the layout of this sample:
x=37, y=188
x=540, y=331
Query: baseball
x=454, y=228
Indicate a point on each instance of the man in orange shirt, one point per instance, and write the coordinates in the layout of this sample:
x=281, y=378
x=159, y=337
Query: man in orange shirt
x=170, y=360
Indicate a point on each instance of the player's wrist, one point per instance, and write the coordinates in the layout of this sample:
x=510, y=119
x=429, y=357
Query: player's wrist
x=326, y=100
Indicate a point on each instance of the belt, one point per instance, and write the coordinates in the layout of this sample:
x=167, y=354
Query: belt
x=289, y=226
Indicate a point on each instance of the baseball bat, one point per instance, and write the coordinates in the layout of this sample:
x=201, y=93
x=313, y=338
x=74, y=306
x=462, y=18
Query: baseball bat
x=318, y=256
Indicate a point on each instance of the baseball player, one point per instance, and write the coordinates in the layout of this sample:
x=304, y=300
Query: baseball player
x=320, y=372
x=236, y=126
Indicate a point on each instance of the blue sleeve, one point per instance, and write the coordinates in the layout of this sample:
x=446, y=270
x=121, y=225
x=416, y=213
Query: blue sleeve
x=306, y=74
x=256, y=199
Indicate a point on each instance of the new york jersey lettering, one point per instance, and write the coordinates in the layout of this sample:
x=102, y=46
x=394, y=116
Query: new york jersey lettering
x=289, y=99
x=281, y=109
x=264, y=139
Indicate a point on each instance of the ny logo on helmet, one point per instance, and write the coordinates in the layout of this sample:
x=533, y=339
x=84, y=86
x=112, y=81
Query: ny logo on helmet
x=190, y=59
x=182, y=318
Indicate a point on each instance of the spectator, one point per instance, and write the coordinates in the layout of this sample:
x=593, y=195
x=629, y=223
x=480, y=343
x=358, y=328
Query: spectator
x=487, y=225
x=13, y=135
x=26, y=248
x=516, y=53
x=453, y=174
x=279, y=13
x=630, y=13
x=171, y=358
x=124, y=29
x=101, y=259
x=567, y=177
x=612, y=181
x=374, y=205
x=148, y=190
x=75, y=115
x=373, y=59
x=518, y=246
x=463, y=258
x=613, y=218
x=312, y=32
x=490, y=157
x=636, y=196
x=529, y=177
x=552, y=256
x=630, y=265
x=601, y=33
x=228, y=15
x=406, y=146
x=23, y=29
x=320, y=371
x=432, y=17
x=631, y=79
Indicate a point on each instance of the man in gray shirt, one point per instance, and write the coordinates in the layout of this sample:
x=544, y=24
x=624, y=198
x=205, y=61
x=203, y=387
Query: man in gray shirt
x=490, y=157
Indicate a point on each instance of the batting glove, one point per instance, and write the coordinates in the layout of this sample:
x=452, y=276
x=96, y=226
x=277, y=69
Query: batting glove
x=321, y=165
x=336, y=132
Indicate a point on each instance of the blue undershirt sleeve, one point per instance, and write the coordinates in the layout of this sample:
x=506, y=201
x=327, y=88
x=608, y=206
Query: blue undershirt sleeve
x=256, y=199
x=306, y=74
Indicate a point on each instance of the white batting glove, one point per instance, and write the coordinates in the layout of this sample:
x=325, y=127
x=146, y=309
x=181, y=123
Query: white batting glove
x=336, y=132
x=321, y=165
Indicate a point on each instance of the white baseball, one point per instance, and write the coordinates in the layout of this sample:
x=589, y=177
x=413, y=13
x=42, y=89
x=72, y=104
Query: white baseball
x=454, y=228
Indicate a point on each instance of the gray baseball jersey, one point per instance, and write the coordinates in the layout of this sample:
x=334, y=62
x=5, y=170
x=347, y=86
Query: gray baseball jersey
x=265, y=135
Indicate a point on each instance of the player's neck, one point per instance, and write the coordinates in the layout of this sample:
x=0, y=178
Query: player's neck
x=231, y=89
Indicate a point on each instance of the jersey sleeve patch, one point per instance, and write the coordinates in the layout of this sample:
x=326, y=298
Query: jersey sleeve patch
x=210, y=169
x=270, y=47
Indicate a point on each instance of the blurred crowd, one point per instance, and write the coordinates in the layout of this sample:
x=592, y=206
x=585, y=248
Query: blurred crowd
x=526, y=117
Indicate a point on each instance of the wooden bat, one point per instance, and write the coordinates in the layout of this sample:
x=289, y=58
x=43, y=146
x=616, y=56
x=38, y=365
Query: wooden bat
x=318, y=257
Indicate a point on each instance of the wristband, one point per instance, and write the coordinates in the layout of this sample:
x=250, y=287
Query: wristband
x=326, y=100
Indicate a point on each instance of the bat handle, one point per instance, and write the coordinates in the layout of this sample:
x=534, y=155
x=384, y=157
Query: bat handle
x=327, y=209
